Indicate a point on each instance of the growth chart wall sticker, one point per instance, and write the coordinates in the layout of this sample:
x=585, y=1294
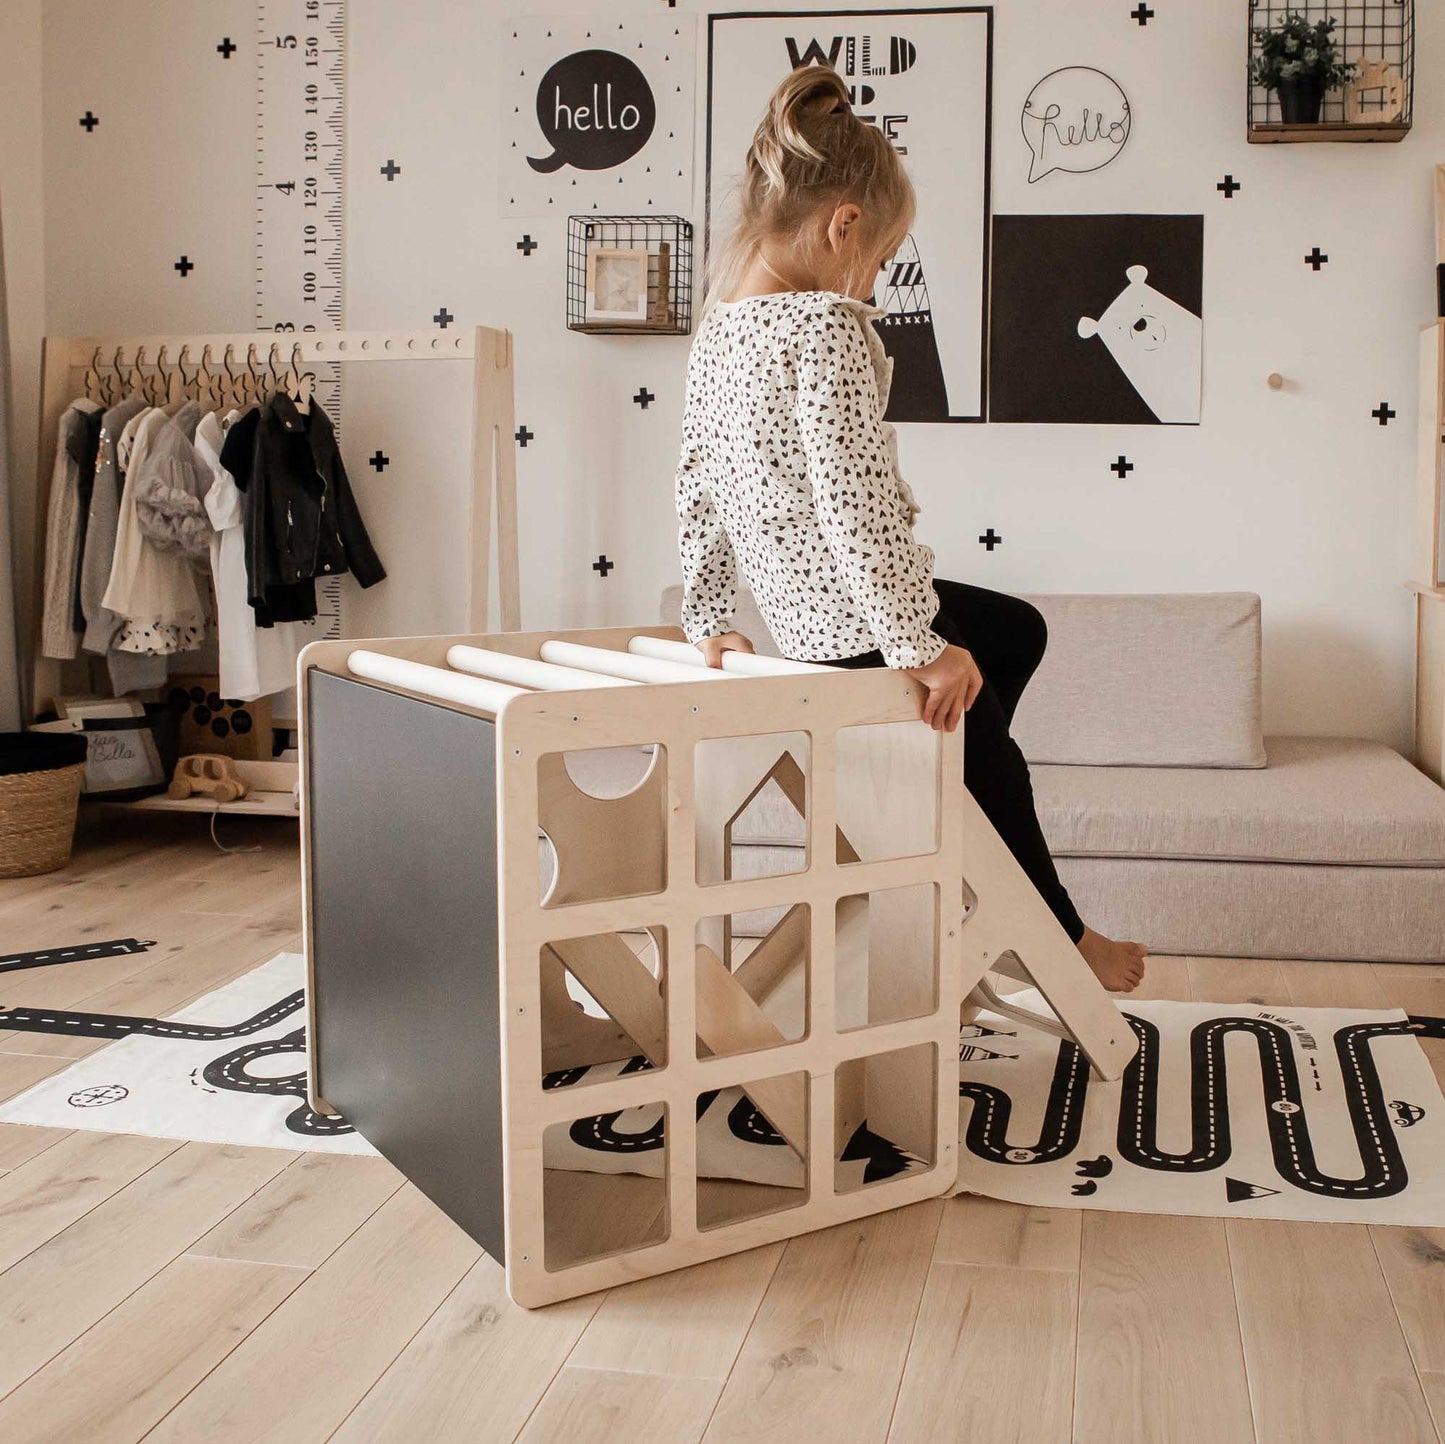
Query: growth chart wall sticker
x=1076, y=119
x=922, y=77
x=597, y=114
x=1097, y=319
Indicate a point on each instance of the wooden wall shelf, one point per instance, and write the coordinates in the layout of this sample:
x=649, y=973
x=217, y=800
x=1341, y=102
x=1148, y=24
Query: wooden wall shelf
x=1275, y=133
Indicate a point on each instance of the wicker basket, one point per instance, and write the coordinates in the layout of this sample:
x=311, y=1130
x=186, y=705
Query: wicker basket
x=37, y=818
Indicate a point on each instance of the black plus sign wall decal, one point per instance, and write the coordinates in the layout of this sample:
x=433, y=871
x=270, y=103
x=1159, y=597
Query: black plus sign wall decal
x=1229, y=185
x=1384, y=414
x=1316, y=259
x=226, y=48
x=1142, y=13
x=526, y=245
x=1122, y=467
x=391, y=170
x=603, y=565
x=443, y=318
x=90, y=122
x=643, y=397
x=185, y=266
x=380, y=461
x=991, y=539
x=523, y=435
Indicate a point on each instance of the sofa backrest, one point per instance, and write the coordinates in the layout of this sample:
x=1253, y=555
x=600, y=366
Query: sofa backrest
x=1145, y=680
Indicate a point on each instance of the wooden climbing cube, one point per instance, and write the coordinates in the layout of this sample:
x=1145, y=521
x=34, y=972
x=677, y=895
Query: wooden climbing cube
x=577, y=1021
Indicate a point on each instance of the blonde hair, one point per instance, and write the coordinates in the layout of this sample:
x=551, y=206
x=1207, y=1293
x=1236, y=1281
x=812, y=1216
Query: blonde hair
x=811, y=150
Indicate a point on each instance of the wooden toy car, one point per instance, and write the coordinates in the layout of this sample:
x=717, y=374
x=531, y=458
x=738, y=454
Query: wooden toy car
x=208, y=774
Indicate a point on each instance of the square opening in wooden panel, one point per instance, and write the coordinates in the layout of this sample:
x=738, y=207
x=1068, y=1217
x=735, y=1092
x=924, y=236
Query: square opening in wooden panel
x=752, y=1150
x=887, y=791
x=603, y=1006
x=751, y=803
x=885, y=961
x=885, y=1116
x=602, y=816
x=752, y=980
x=604, y=1185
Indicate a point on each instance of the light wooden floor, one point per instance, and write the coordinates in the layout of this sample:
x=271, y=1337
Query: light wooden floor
x=190, y=1292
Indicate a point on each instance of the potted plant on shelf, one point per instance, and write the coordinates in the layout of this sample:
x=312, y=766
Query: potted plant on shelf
x=1300, y=60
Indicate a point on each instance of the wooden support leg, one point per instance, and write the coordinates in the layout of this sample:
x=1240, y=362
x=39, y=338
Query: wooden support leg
x=1010, y=927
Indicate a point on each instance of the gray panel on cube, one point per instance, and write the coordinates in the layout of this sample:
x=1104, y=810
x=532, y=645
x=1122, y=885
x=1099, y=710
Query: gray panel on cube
x=404, y=926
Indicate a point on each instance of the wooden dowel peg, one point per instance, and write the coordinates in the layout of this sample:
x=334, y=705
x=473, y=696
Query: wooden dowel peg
x=1276, y=381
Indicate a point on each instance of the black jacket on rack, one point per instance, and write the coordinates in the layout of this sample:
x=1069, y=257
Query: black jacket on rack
x=301, y=519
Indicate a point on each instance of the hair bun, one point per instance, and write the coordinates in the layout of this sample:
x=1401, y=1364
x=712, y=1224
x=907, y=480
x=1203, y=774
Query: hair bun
x=807, y=96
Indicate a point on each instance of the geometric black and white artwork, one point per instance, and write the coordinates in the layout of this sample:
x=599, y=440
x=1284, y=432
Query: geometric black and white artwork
x=922, y=77
x=1097, y=319
x=1229, y=1110
x=597, y=114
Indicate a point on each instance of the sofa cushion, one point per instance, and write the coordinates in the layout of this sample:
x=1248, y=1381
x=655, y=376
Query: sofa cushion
x=1149, y=680
x=1152, y=680
x=1320, y=800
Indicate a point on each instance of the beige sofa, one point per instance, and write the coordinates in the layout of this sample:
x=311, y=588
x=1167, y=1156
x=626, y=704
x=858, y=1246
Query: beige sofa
x=1174, y=821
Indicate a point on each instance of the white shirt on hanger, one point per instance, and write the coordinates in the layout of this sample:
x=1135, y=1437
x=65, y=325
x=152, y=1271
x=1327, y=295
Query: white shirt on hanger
x=254, y=661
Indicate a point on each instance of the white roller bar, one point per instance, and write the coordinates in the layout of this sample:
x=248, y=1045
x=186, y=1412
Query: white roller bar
x=741, y=664
x=433, y=681
x=624, y=664
x=527, y=672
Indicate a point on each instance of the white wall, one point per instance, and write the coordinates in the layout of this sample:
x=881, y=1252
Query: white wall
x=1299, y=495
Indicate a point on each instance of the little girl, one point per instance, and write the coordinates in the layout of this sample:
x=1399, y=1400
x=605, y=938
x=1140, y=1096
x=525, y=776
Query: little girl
x=789, y=468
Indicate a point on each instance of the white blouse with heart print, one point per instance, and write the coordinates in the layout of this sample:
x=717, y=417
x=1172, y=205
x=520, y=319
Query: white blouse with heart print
x=789, y=472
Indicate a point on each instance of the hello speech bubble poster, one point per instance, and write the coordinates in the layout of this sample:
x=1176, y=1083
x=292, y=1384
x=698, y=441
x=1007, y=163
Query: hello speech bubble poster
x=597, y=114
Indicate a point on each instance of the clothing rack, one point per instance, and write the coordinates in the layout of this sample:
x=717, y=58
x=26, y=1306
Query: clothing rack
x=493, y=459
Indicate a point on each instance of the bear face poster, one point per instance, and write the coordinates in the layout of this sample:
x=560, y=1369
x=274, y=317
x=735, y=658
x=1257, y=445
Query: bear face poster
x=1097, y=319
x=597, y=114
x=923, y=77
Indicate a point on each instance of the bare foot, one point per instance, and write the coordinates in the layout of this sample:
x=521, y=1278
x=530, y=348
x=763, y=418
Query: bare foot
x=1119, y=966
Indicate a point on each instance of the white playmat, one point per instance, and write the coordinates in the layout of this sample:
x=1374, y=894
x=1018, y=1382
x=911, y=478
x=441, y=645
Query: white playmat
x=1230, y=1110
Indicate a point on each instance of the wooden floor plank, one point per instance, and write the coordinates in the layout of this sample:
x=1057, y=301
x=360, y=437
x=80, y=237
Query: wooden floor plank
x=305, y=1369
x=690, y=1323
x=1334, y=985
x=58, y=1291
x=989, y=1231
x=305, y=1213
x=1413, y=1260
x=598, y=1406
x=20, y=1142
x=831, y=1335
x=65, y=1182
x=475, y=1371
x=1324, y=1350
x=1434, y=1386
x=1238, y=980
x=1159, y=1353
x=1165, y=977
x=120, y=1377
x=19, y=1071
x=973, y=1366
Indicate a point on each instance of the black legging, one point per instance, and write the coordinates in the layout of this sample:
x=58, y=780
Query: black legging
x=1007, y=638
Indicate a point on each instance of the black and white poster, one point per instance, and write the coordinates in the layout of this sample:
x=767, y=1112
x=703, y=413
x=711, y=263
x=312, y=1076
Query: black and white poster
x=922, y=77
x=597, y=114
x=1097, y=319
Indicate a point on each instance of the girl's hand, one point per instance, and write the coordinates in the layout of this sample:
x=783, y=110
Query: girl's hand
x=712, y=648
x=953, y=681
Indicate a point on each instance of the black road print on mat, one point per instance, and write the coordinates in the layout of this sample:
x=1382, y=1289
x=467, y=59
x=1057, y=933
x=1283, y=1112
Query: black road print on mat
x=1373, y=1118
x=80, y=953
x=227, y=1071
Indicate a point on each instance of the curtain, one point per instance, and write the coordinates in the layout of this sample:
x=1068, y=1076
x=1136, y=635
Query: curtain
x=9, y=668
